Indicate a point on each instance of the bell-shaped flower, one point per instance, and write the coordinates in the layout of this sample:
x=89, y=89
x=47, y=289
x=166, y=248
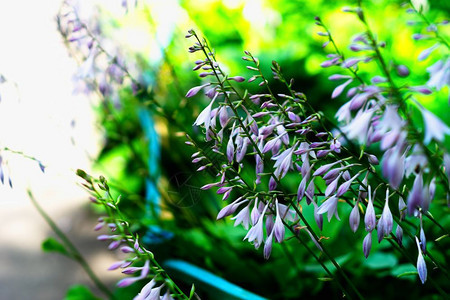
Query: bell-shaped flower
x=243, y=217
x=256, y=233
x=439, y=74
x=434, y=127
x=358, y=128
x=278, y=226
x=329, y=207
x=393, y=166
x=205, y=116
x=416, y=195
x=283, y=162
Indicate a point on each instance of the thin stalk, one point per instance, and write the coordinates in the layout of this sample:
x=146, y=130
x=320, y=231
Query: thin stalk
x=73, y=251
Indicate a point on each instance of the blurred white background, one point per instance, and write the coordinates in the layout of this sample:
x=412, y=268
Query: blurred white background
x=35, y=118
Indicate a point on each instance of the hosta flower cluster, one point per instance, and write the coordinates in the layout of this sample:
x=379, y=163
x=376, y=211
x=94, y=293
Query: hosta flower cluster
x=274, y=136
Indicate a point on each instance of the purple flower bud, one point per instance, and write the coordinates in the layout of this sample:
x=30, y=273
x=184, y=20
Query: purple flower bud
x=127, y=281
x=367, y=244
x=272, y=184
x=354, y=218
x=378, y=79
x=350, y=62
x=425, y=53
x=423, y=240
x=421, y=266
x=372, y=159
x=318, y=217
x=329, y=63
x=229, y=209
x=230, y=150
x=268, y=246
x=310, y=192
x=331, y=188
x=339, y=77
x=340, y=88
x=193, y=91
x=278, y=226
x=323, y=169
x=421, y=89
x=370, y=218
x=385, y=222
x=237, y=78
x=402, y=70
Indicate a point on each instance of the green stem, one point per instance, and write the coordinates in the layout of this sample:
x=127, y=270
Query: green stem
x=73, y=251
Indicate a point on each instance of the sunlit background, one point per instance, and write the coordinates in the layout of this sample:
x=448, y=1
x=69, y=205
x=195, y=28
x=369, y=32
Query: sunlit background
x=44, y=115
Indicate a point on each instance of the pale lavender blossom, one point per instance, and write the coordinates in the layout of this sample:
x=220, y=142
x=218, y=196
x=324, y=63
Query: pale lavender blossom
x=358, y=128
x=439, y=74
x=329, y=207
x=434, y=127
x=255, y=234
x=278, y=226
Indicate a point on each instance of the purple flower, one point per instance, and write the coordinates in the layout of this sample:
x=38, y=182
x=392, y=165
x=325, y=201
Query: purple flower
x=421, y=266
x=416, y=195
x=354, y=218
x=193, y=91
x=402, y=70
x=329, y=207
x=242, y=217
x=205, y=115
x=359, y=126
x=268, y=245
x=385, y=222
x=340, y=88
x=393, y=166
x=439, y=74
x=425, y=53
x=278, y=226
x=255, y=234
x=370, y=218
x=283, y=162
x=434, y=127
x=367, y=244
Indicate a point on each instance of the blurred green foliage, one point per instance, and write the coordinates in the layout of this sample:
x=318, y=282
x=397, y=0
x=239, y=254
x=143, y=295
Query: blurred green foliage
x=281, y=30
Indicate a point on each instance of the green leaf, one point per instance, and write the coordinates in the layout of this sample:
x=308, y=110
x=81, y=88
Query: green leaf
x=80, y=292
x=325, y=279
x=191, y=294
x=441, y=237
x=407, y=274
x=52, y=245
x=380, y=260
